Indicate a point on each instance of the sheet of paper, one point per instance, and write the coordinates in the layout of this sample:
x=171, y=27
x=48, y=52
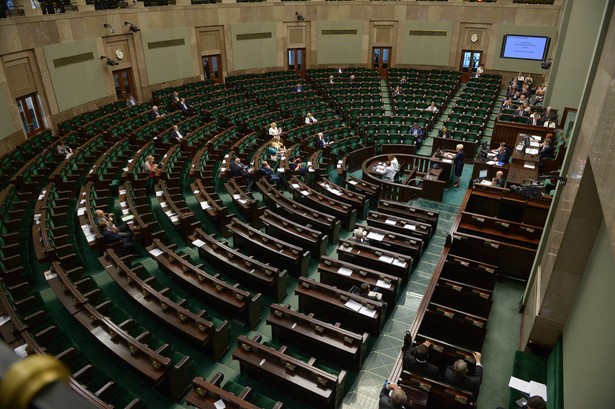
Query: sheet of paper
x=344, y=271
x=491, y=162
x=386, y=259
x=447, y=160
x=391, y=222
x=375, y=236
x=305, y=193
x=205, y=205
x=368, y=312
x=383, y=284
x=353, y=182
x=236, y=196
x=123, y=192
x=529, y=165
x=399, y=263
x=295, y=186
x=537, y=388
x=353, y=305
x=519, y=384
x=159, y=193
x=409, y=226
x=155, y=252
x=198, y=243
x=219, y=404
x=81, y=211
x=127, y=217
x=485, y=182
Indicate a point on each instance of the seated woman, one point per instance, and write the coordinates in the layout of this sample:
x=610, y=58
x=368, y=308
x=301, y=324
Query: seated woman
x=274, y=130
x=276, y=147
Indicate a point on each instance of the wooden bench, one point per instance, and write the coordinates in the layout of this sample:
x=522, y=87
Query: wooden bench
x=208, y=394
x=400, y=225
x=296, y=376
x=175, y=208
x=320, y=221
x=295, y=233
x=468, y=271
x=435, y=395
x=226, y=296
x=137, y=213
x=512, y=260
x=356, y=200
x=393, y=263
x=387, y=240
x=492, y=227
x=212, y=205
x=244, y=202
x=152, y=364
x=160, y=303
x=329, y=341
x=453, y=326
x=352, y=310
x=267, y=247
x=247, y=270
x=312, y=198
x=343, y=274
x=409, y=212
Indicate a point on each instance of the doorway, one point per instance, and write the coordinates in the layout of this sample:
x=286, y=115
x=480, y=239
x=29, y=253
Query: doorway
x=122, y=80
x=470, y=61
x=212, y=67
x=381, y=60
x=31, y=114
x=296, y=61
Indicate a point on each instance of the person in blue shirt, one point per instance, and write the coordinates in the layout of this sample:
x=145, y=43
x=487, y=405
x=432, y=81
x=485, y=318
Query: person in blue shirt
x=502, y=154
x=269, y=175
x=417, y=132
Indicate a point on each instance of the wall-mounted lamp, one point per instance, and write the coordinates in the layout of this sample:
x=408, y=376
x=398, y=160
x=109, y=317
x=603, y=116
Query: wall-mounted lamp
x=132, y=27
x=110, y=61
x=110, y=28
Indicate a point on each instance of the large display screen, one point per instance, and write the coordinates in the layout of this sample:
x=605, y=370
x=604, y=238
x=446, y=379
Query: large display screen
x=525, y=47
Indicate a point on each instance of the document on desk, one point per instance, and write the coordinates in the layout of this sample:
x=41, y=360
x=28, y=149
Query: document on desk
x=353, y=182
x=485, y=182
x=344, y=271
x=205, y=205
x=305, y=193
x=295, y=186
x=391, y=222
x=353, y=305
x=383, y=284
x=491, y=162
x=156, y=252
x=375, y=236
x=219, y=404
x=535, y=144
x=369, y=312
x=399, y=263
x=236, y=196
x=447, y=160
x=409, y=226
x=519, y=384
x=537, y=388
x=529, y=165
x=386, y=259
x=198, y=243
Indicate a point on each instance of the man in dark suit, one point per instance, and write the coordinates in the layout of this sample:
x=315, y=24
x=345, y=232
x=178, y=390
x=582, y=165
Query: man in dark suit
x=186, y=110
x=111, y=236
x=238, y=169
x=154, y=113
x=391, y=397
x=548, y=151
x=269, y=174
x=176, y=134
x=415, y=361
x=457, y=375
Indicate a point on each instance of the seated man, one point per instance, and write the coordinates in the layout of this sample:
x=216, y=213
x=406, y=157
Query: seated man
x=175, y=97
x=415, y=361
x=359, y=235
x=397, y=91
x=387, y=171
x=535, y=119
x=238, y=169
x=155, y=114
x=366, y=291
x=176, y=134
x=297, y=88
x=183, y=106
x=64, y=150
x=295, y=164
x=309, y=118
x=502, y=154
x=391, y=397
x=111, y=237
x=270, y=175
x=499, y=180
x=457, y=375
x=122, y=230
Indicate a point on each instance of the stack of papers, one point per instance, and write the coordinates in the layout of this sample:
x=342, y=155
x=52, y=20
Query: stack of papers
x=344, y=271
x=353, y=305
x=531, y=388
x=386, y=259
x=383, y=284
x=198, y=243
x=155, y=252
x=368, y=312
x=375, y=236
x=529, y=165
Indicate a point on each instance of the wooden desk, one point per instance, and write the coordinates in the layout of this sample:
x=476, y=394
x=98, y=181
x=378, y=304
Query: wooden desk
x=355, y=312
x=387, y=261
x=327, y=340
x=245, y=269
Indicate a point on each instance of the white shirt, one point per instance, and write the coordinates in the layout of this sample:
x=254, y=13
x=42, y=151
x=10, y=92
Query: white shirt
x=310, y=120
x=549, y=124
x=275, y=131
x=433, y=109
x=387, y=172
x=395, y=164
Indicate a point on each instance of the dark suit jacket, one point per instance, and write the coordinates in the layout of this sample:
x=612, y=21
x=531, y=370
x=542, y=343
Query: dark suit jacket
x=420, y=368
x=152, y=115
x=238, y=170
x=446, y=134
x=547, y=152
x=110, y=236
x=470, y=383
x=385, y=400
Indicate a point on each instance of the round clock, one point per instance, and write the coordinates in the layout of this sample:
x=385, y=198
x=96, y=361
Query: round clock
x=119, y=54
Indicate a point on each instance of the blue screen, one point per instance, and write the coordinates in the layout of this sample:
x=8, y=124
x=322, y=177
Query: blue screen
x=525, y=47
